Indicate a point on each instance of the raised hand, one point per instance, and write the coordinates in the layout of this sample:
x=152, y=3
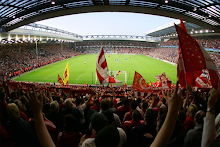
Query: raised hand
x=188, y=88
x=35, y=102
x=175, y=101
x=214, y=95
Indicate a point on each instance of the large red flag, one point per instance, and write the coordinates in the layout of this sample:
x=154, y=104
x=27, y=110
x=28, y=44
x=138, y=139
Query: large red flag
x=182, y=25
x=181, y=73
x=195, y=58
x=140, y=84
x=180, y=64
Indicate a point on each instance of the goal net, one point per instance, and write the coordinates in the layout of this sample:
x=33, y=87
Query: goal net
x=122, y=76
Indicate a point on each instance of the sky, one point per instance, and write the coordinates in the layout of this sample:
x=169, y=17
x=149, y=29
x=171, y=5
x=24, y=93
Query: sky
x=108, y=23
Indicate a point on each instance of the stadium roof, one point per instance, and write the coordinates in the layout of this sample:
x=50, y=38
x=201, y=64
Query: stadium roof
x=39, y=32
x=170, y=29
x=36, y=31
x=16, y=13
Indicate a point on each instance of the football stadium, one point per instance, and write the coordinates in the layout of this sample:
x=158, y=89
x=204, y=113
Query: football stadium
x=62, y=88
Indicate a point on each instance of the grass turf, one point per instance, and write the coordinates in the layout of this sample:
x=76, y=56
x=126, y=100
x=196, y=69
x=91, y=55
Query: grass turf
x=81, y=73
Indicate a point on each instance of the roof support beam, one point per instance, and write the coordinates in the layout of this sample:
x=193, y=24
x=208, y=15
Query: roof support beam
x=114, y=9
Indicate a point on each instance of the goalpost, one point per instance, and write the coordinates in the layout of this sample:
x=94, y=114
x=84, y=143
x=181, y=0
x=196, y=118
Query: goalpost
x=121, y=77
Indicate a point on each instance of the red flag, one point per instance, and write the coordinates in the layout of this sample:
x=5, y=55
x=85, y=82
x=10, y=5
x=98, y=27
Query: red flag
x=102, y=68
x=182, y=25
x=113, y=80
x=163, y=80
x=60, y=80
x=203, y=81
x=195, y=58
x=181, y=73
x=157, y=84
x=140, y=84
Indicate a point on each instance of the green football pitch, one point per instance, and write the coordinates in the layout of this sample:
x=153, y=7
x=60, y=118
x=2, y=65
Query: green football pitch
x=83, y=69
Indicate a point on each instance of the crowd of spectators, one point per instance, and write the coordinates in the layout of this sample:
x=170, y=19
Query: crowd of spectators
x=21, y=57
x=113, y=45
x=171, y=55
x=45, y=115
x=168, y=54
x=115, y=50
x=205, y=41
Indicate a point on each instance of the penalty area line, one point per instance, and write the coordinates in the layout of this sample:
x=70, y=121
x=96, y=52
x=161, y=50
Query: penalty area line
x=79, y=77
x=52, y=74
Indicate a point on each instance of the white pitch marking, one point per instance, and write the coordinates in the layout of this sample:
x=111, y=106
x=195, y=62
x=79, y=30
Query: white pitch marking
x=52, y=74
x=79, y=77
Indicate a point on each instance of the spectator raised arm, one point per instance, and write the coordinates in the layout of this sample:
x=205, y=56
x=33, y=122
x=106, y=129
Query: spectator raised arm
x=36, y=104
x=209, y=132
x=174, y=104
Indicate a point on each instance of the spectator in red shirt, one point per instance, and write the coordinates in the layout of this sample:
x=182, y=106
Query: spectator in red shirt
x=128, y=115
x=144, y=135
x=96, y=105
x=123, y=109
x=129, y=125
x=189, y=122
x=71, y=135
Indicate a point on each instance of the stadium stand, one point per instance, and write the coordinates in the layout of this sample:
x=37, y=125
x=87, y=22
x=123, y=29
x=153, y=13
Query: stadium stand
x=18, y=58
x=205, y=41
x=168, y=54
